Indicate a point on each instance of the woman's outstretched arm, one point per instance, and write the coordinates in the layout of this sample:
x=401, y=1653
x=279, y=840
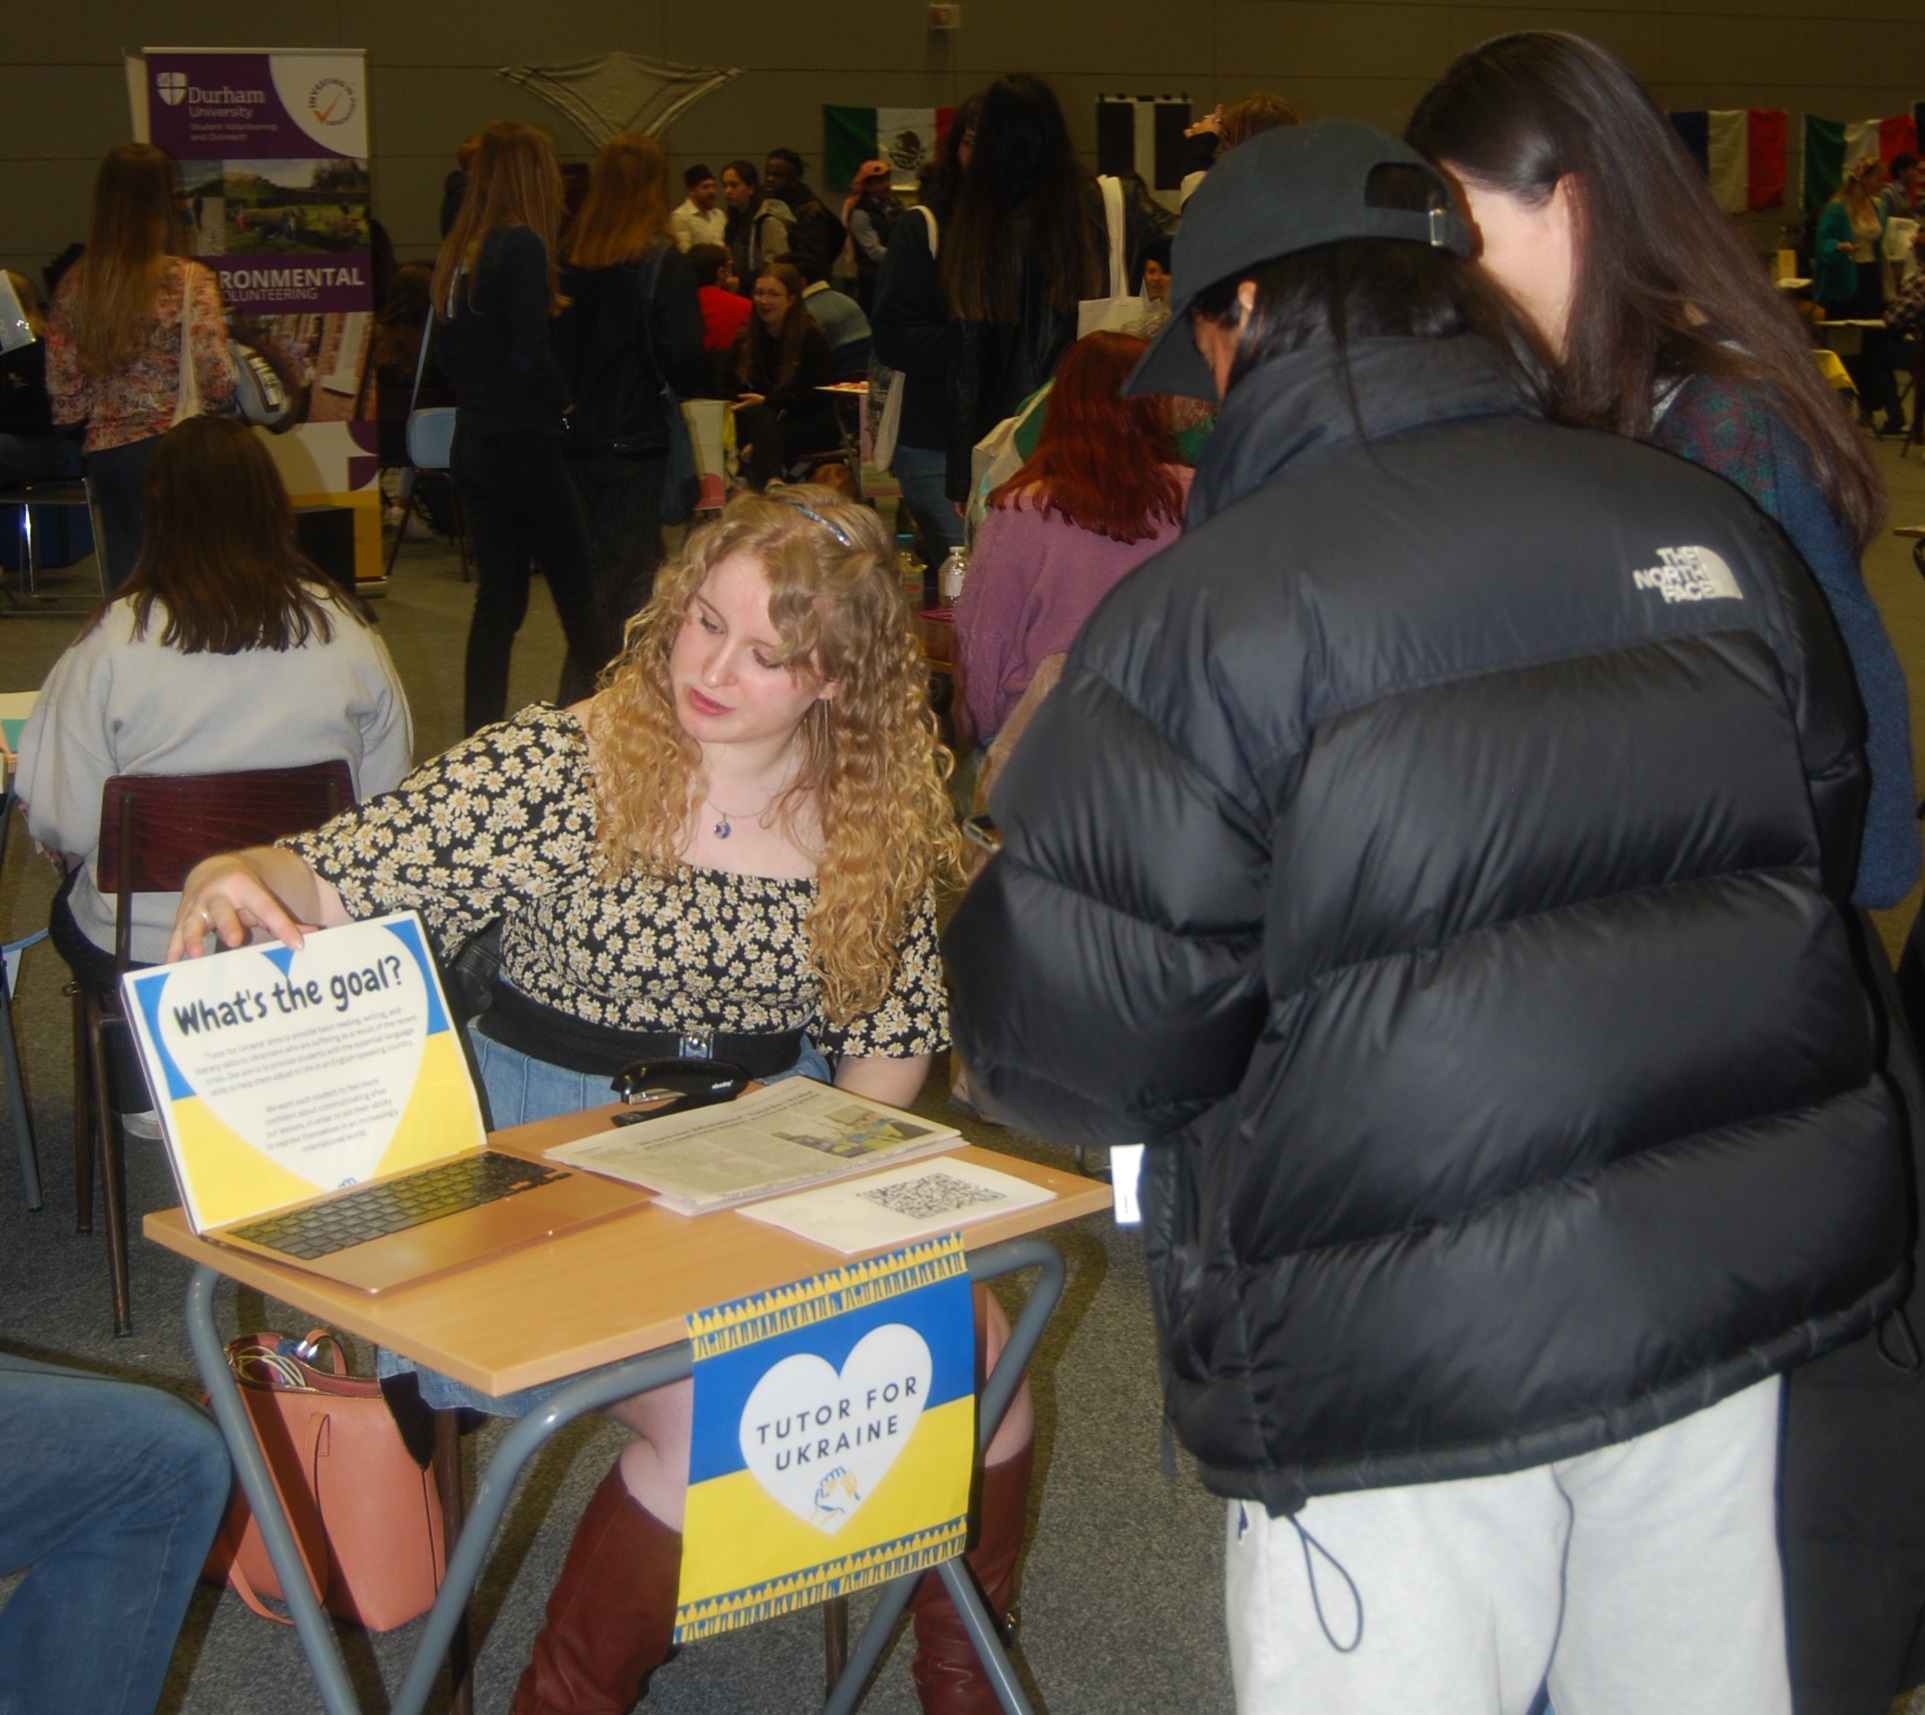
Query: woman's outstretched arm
x=265, y=887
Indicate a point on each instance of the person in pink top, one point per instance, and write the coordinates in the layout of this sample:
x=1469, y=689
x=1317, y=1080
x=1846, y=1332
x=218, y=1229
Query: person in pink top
x=114, y=338
x=1101, y=493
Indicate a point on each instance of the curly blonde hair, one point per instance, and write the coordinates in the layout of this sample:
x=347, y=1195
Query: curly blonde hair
x=872, y=765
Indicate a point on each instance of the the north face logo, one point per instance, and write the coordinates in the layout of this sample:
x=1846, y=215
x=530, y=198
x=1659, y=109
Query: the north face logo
x=1689, y=574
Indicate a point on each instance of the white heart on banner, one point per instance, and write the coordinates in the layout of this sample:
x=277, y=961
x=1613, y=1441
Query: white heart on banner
x=315, y=1066
x=819, y=1439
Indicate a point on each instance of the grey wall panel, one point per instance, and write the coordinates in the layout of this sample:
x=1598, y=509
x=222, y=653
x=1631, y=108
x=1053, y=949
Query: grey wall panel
x=433, y=64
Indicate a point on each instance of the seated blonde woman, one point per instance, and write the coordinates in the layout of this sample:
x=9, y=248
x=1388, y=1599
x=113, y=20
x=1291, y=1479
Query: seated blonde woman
x=739, y=836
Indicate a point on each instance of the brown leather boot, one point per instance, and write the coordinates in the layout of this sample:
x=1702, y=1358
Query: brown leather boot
x=611, y=1615
x=949, y=1678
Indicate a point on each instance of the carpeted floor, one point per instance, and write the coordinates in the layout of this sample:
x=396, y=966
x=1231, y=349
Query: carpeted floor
x=1121, y=1591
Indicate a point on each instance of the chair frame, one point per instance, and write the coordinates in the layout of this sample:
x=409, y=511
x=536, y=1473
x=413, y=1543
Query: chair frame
x=154, y=828
x=52, y=491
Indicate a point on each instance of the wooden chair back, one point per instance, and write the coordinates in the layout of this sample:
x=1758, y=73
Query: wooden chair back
x=155, y=827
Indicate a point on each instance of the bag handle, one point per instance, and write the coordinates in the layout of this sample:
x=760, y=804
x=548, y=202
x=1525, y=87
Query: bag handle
x=188, y=386
x=319, y=1585
x=1112, y=188
x=649, y=282
x=420, y=369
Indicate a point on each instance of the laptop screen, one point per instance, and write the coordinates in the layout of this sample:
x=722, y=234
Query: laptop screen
x=279, y=1075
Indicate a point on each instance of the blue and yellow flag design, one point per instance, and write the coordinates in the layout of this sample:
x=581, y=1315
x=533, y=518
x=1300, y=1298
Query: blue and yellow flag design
x=283, y=1074
x=835, y=1433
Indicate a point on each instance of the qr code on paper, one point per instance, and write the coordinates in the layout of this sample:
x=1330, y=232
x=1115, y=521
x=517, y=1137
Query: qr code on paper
x=931, y=1197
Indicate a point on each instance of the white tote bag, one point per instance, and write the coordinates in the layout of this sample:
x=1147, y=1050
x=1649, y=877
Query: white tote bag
x=189, y=402
x=1122, y=309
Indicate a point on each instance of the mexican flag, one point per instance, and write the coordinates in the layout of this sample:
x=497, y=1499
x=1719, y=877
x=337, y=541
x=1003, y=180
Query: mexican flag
x=905, y=137
x=1832, y=145
x=1741, y=150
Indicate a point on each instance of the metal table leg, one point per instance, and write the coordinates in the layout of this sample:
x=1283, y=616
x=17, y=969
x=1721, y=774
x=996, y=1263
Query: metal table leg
x=637, y=1375
x=999, y=1388
x=492, y=1493
x=9, y=1053
x=16, y=1091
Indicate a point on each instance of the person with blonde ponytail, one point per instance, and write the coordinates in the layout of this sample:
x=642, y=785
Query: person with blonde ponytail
x=737, y=839
x=114, y=339
x=497, y=288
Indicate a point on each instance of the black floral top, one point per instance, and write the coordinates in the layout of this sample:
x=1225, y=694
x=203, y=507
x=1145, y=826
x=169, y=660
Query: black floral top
x=503, y=827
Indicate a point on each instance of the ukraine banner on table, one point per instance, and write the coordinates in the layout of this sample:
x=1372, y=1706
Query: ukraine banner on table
x=835, y=1434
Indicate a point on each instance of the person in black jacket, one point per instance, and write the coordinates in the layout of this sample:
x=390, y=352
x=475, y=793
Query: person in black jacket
x=633, y=325
x=782, y=361
x=1441, y=856
x=816, y=230
x=496, y=286
x=910, y=320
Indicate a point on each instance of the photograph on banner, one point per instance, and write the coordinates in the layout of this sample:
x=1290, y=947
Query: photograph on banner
x=275, y=192
x=834, y=1437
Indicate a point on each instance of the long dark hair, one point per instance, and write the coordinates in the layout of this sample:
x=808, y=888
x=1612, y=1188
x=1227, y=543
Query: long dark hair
x=1665, y=288
x=1022, y=164
x=784, y=349
x=751, y=176
x=1369, y=288
x=942, y=184
x=514, y=182
x=626, y=210
x=117, y=281
x=218, y=548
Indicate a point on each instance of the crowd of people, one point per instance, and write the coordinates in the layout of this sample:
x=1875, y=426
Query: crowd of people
x=1457, y=751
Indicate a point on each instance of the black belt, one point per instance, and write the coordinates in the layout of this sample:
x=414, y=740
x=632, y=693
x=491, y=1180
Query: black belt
x=542, y=1033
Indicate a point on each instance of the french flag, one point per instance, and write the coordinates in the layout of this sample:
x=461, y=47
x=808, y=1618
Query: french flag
x=1741, y=151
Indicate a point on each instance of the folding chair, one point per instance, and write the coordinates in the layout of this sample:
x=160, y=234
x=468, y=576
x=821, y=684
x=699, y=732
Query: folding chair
x=52, y=491
x=9, y=1053
x=153, y=829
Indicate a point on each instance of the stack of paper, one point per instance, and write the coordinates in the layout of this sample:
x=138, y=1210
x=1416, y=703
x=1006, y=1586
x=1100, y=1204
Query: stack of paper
x=886, y=1209
x=785, y=1135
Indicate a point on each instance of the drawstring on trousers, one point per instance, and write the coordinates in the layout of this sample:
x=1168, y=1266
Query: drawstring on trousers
x=1309, y=1543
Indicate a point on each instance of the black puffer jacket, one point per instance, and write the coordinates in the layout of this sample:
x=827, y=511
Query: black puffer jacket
x=1438, y=854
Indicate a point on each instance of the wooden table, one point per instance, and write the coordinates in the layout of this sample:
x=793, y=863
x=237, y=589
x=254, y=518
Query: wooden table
x=616, y=1295
x=1844, y=335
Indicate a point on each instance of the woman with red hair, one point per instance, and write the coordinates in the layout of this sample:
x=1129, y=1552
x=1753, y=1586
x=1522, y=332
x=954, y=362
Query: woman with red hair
x=1101, y=493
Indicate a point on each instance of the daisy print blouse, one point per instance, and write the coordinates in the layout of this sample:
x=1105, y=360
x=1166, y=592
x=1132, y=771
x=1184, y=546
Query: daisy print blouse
x=502, y=827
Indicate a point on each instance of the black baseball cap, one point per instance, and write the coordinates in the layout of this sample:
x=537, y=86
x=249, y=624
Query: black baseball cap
x=1283, y=191
x=696, y=175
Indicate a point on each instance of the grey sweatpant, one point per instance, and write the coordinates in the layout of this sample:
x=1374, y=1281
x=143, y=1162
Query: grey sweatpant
x=1640, y=1578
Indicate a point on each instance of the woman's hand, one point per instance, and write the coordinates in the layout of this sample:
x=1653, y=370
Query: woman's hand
x=746, y=401
x=267, y=888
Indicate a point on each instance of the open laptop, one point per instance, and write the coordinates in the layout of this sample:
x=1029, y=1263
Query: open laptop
x=318, y=1110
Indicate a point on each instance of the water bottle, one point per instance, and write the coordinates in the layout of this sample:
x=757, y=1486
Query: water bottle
x=913, y=571
x=949, y=578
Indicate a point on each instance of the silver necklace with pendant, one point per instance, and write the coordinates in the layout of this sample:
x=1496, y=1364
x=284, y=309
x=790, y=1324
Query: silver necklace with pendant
x=721, y=830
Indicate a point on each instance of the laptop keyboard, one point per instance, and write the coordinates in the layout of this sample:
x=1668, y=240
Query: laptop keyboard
x=394, y=1205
